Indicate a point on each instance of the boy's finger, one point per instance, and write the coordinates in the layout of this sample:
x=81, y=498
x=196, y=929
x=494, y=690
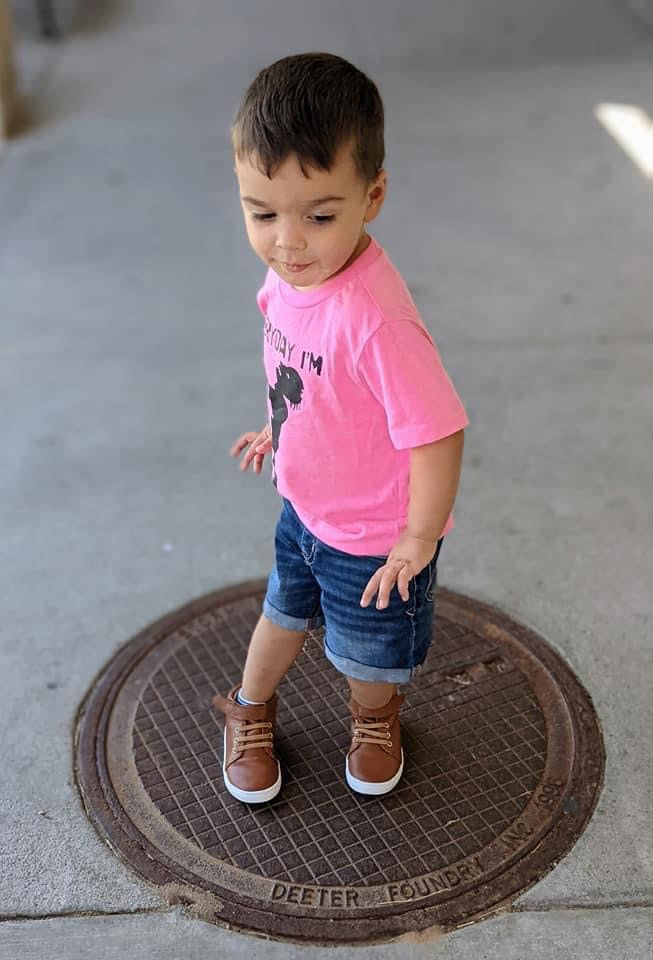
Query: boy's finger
x=387, y=580
x=370, y=589
x=250, y=455
x=242, y=441
x=402, y=584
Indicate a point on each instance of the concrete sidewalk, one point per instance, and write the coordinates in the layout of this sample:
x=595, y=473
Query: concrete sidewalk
x=130, y=359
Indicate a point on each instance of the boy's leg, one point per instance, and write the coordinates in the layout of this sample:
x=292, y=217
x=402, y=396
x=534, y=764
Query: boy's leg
x=271, y=653
x=371, y=694
x=250, y=766
x=375, y=761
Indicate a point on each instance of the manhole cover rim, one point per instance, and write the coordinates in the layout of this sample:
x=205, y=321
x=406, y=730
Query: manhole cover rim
x=136, y=850
x=229, y=879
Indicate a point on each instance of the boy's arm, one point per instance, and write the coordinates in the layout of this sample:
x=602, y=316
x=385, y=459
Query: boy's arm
x=434, y=477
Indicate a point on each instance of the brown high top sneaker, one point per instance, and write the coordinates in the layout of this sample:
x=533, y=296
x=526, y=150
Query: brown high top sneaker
x=250, y=767
x=375, y=760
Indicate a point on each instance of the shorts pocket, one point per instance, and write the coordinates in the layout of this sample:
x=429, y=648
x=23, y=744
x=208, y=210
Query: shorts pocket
x=432, y=581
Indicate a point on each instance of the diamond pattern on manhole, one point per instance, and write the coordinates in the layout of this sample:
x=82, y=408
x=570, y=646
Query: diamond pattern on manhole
x=504, y=762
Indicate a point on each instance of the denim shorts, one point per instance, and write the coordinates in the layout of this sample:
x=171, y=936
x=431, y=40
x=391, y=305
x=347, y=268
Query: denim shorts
x=313, y=585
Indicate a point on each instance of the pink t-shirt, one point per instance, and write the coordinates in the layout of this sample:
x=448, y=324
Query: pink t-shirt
x=354, y=381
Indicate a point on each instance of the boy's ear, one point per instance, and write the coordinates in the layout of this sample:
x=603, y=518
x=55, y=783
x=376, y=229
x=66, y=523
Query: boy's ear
x=376, y=195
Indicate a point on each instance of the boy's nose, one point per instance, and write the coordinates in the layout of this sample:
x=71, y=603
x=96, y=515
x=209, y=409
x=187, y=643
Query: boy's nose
x=289, y=238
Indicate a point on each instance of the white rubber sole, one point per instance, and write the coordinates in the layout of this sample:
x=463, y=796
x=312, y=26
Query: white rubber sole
x=249, y=796
x=371, y=788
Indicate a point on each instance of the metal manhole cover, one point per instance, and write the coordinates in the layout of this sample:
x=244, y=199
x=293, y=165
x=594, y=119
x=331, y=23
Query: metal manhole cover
x=504, y=762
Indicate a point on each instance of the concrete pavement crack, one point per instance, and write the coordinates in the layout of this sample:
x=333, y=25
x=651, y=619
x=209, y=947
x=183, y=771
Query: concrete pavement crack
x=553, y=906
x=83, y=914
x=148, y=911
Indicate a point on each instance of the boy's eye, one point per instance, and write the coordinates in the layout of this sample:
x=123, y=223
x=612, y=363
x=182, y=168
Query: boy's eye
x=316, y=218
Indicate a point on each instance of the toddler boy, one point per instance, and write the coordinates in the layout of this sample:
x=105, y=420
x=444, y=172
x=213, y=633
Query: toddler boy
x=365, y=428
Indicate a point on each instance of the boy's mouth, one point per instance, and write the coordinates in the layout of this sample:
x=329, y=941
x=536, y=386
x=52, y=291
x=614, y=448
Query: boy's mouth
x=294, y=267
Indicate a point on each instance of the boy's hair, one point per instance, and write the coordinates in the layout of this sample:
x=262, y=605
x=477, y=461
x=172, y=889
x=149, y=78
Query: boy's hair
x=309, y=105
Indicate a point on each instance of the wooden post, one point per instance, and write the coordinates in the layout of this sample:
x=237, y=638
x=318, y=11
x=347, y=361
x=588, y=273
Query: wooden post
x=8, y=92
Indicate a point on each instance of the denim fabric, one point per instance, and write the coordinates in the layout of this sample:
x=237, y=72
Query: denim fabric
x=313, y=585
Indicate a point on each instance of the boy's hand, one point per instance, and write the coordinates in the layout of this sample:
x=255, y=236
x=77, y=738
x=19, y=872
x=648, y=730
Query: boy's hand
x=259, y=444
x=407, y=558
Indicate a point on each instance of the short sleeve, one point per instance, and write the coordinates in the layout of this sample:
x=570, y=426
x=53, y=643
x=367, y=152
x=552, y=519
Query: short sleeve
x=401, y=365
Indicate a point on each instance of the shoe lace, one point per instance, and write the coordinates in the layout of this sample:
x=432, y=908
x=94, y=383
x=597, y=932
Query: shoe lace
x=251, y=734
x=371, y=731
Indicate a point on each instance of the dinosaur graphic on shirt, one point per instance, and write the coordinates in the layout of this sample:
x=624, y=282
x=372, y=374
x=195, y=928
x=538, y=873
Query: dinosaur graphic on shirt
x=289, y=386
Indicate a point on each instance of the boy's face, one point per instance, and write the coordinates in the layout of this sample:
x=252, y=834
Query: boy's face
x=308, y=228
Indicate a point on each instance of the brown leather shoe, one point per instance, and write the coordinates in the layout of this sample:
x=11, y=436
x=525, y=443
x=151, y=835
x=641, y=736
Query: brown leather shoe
x=375, y=761
x=250, y=767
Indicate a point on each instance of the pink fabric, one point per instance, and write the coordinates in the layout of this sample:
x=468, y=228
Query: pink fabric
x=354, y=381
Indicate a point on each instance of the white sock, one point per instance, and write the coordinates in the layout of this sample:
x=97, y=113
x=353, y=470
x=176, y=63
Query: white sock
x=248, y=703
